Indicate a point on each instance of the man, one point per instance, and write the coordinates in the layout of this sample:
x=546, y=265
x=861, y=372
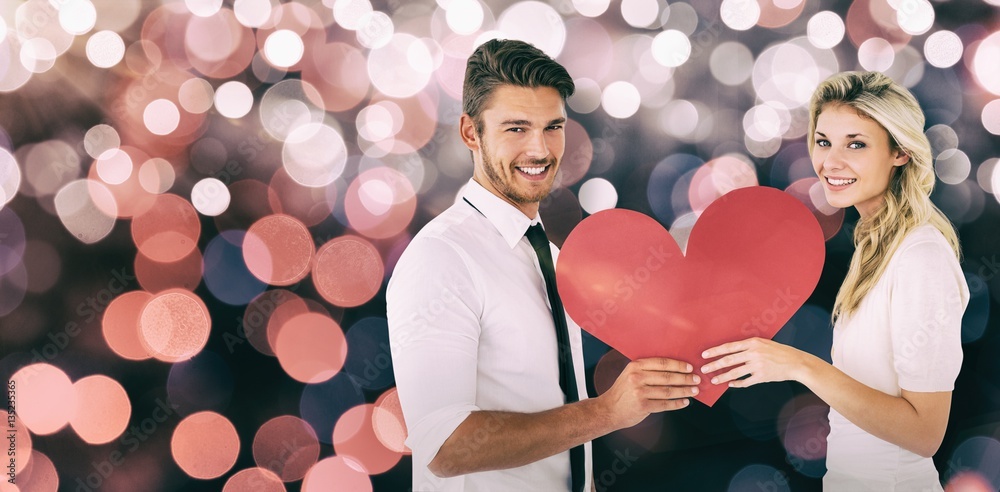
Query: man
x=475, y=334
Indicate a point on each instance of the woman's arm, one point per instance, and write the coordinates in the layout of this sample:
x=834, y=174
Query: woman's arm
x=916, y=421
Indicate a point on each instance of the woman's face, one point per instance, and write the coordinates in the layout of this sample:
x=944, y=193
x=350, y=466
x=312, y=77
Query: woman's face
x=853, y=158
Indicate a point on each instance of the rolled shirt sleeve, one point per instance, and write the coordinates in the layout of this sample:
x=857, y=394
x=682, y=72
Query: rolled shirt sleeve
x=433, y=310
x=928, y=298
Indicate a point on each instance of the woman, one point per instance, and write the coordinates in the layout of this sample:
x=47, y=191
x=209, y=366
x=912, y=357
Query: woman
x=897, y=334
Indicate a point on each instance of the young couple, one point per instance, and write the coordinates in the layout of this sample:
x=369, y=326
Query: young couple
x=490, y=370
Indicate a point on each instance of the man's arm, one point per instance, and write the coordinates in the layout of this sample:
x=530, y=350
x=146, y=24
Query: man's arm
x=489, y=440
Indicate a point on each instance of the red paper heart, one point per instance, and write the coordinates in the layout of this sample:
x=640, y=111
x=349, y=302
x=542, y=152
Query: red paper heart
x=753, y=258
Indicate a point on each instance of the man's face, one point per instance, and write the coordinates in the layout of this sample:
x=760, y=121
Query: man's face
x=521, y=144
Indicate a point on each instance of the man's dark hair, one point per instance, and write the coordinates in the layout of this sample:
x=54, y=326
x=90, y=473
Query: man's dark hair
x=509, y=62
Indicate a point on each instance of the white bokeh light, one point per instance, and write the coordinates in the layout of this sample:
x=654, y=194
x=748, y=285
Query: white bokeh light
x=591, y=8
x=233, y=99
x=620, y=99
x=943, y=49
x=598, y=194
x=105, y=49
x=640, y=13
x=464, y=16
x=114, y=166
x=991, y=116
x=952, y=166
x=161, y=117
x=587, y=96
x=350, y=13
x=10, y=177
x=536, y=23
x=99, y=139
x=671, y=48
x=77, y=16
x=38, y=55
x=876, y=54
x=210, y=197
x=203, y=8
x=740, y=15
x=915, y=16
x=376, y=30
x=825, y=30
x=283, y=48
x=401, y=68
x=252, y=13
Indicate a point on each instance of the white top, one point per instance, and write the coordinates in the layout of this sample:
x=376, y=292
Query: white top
x=906, y=334
x=470, y=328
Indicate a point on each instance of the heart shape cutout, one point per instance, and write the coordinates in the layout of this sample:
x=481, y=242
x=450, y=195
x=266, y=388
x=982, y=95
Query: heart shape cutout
x=753, y=258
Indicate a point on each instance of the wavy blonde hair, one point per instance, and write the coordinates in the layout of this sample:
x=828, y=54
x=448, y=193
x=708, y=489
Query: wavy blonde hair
x=906, y=203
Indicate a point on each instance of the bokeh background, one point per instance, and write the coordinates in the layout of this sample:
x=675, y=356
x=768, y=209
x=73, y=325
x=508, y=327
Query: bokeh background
x=201, y=202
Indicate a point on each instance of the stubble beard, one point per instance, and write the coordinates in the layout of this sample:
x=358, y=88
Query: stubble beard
x=505, y=186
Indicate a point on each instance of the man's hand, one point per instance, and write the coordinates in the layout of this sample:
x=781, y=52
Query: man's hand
x=649, y=386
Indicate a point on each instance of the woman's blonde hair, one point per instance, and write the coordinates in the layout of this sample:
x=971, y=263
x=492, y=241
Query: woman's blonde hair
x=907, y=203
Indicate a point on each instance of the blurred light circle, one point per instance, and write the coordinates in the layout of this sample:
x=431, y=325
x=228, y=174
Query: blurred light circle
x=288, y=105
x=679, y=118
x=77, y=16
x=990, y=117
x=984, y=174
x=196, y=95
x=943, y=49
x=759, y=477
x=942, y=137
x=114, y=166
x=731, y=63
x=620, y=99
x=13, y=242
x=464, y=16
x=48, y=166
x=536, y=23
x=640, y=13
x=369, y=361
x=253, y=13
x=278, y=250
x=99, y=139
x=120, y=325
x=387, y=421
x=376, y=30
x=380, y=203
x=805, y=434
x=740, y=15
x=915, y=16
x=810, y=192
x=314, y=155
x=968, y=481
x=14, y=75
x=354, y=437
x=286, y=446
x=161, y=117
x=717, y=177
x=323, y=403
x=203, y=8
x=825, y=30
x=168, y=231
x=38, y=55
x=402, y=67
x=309, y=205
x=591, y=8
x=337, y=473
x=283, y=48
x=766, y=121
x=984, y=64
x=46, y=398
x=311, y=348
x=226, y=274
x=350, y=13
x=598, y=194
x=205, y=445
x=174, y=325
x=233, y=99
x=979, y=454
x=952, y=166
x=105, y=49
x=255, y=479
x=379, y=121
x=210, y=197
x=87, y=209
x=103, y=409
x=156, y=175
x=348, y=271
x=587, y=96
x=40, y=474
x=671, y=48
x=10, y=177
x=789, y=72
x=154, y=276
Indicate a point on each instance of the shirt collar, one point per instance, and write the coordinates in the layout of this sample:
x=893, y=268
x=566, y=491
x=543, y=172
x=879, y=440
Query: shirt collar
x=510, y=222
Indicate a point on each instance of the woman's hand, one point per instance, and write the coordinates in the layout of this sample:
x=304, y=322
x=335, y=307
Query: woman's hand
x=760, y=359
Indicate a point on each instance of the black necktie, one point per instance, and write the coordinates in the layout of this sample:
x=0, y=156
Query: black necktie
x=567, y=376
